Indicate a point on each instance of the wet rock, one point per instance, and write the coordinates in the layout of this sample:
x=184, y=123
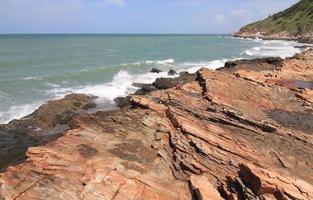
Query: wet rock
x=61, y=111
x=166, y=83
x=258, y=64
x=149, y=87
x=144, y=89
x=172, y=72
x=303, y=47
x=121, y=101
x=155, y=70
x=47, y=123
x=138, y=85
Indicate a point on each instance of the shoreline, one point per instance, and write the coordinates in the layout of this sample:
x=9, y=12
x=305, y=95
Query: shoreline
x=54, y=92
x=192, y=136
x=114, y=106
x=300, y=39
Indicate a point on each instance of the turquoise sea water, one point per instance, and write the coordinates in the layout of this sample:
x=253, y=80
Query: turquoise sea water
x=37, y=68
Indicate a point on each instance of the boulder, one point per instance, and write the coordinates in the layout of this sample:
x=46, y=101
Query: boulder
x=165, y=83
x=172, y=72
x=155, y=70
x=121, y=101
x=148, y=87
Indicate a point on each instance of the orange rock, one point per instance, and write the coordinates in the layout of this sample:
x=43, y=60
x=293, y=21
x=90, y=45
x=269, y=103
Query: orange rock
x=203, y=189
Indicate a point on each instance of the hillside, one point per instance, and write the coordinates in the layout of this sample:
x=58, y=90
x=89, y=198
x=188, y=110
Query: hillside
x=295, y=22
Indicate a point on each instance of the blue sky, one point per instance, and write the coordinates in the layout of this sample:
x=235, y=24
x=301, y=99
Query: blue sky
x=133, y=16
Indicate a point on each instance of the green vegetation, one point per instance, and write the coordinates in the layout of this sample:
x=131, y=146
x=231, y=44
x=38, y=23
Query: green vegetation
x=296, y=20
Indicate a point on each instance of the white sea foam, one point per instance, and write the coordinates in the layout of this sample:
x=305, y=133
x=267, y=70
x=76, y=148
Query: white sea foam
x=192, y=67
x=267, y=48
x=32, y=78
x=121, y=85
x=152, y=62
x=19, y=111
x=160, y=62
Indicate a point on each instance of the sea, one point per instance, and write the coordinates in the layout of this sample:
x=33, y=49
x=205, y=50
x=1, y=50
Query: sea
x=41, y=67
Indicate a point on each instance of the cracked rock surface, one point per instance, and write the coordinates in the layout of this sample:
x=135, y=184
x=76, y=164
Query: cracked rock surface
x=243, y=133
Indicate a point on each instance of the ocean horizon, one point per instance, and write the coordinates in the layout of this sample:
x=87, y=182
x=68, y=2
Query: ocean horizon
x=35, y=68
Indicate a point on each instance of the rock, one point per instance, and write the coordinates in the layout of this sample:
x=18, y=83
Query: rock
x=61, y=111
x=47, y=123
x=263, y=181
x=303, y=47
x=166, y=83
x=306, y=95
x=144, y=89
x=155, y=70
x=203, y=189
x=258, y=64
x=138, y=85
x=221, y=135
x=121, y=101
x=172, y=72
x=149, y=87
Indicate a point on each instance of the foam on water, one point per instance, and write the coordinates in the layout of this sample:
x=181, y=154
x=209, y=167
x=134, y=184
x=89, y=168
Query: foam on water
x=122, y=82
x=152, y=62
x=121, y=85
x=19, y=111
x=32, y=78
x=267, y=48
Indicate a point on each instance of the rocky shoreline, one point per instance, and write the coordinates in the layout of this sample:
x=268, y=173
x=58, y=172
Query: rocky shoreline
x=244, y=131
x=306, y=39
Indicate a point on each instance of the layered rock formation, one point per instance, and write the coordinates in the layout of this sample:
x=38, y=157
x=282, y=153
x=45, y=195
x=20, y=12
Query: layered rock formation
x=242, y=132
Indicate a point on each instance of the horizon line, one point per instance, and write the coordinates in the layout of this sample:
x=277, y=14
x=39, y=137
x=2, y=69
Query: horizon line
x=115, y=33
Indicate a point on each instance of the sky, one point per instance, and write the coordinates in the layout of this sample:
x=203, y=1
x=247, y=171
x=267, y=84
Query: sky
x=133, y=16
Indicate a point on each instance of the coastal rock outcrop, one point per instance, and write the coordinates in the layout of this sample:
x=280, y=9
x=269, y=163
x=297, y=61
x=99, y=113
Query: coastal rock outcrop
x=227, y=134
x=155, y=70
x=45, y=124
x=172, y=72
x=166, y=83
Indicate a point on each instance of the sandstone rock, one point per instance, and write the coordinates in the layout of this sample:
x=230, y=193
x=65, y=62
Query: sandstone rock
x=223, y=135
x=203, y=189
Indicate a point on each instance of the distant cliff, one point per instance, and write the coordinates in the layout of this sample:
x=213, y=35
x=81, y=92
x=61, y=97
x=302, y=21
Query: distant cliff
x=295, y=23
